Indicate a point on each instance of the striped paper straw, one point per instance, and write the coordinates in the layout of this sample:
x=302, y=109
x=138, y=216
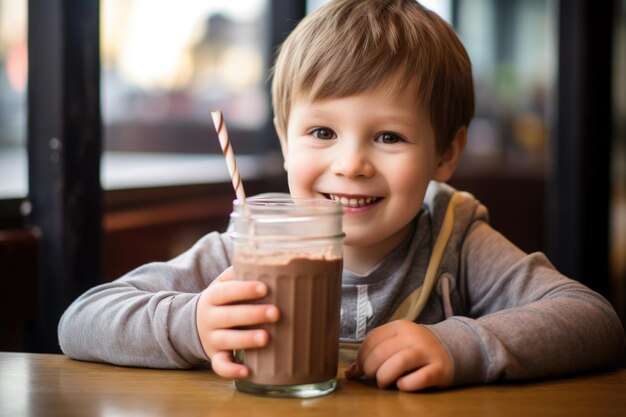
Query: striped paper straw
x=229, y=155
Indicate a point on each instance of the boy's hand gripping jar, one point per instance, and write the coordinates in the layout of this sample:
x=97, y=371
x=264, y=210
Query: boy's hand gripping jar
x=295, y=247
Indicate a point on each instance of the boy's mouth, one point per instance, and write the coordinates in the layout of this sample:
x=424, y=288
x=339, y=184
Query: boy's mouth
x=353, y=201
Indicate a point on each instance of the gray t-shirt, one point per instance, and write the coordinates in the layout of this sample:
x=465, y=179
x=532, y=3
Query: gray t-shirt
x=499, y=312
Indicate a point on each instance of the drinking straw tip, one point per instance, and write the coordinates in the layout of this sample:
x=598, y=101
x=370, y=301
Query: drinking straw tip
x=227, y=150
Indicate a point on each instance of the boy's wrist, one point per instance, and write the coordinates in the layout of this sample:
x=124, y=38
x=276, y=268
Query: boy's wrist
x=468, y=361
x=183, y=329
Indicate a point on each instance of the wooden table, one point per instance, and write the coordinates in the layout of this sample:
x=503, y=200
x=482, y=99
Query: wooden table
x=53, y=385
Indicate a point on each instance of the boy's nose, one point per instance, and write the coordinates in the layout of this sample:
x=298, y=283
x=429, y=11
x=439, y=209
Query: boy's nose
x=353, y=163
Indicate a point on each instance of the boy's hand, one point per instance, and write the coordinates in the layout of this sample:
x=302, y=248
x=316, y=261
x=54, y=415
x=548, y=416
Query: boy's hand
x=220, y=312
x=403, y=352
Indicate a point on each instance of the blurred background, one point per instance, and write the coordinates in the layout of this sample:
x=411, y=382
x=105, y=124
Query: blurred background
x=108, y=156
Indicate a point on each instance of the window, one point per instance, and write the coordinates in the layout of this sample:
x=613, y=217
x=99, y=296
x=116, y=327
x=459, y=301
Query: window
x=13, y=76
x=165, y=65
x=512, y=45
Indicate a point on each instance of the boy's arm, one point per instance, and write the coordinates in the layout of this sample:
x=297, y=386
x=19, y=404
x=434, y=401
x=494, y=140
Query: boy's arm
x=525, y=319
x=146, y=318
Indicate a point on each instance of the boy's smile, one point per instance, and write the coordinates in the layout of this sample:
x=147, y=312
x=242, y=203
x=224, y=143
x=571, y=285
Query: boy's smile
x=375, y=153
x=353, y=203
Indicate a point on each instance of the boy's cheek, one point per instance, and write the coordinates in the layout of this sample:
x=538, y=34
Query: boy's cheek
x=301, y=177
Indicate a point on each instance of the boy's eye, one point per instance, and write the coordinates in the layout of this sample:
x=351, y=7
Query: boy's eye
x=387, y=137
x=323, y=133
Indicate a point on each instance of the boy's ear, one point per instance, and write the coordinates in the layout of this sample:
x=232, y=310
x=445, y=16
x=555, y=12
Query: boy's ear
x=282, y=137
x=450, y=158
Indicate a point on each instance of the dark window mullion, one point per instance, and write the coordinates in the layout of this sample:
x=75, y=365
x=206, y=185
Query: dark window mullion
x=64, y=147
x=578, y=191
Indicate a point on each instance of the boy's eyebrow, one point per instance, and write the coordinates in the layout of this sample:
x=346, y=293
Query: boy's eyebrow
x=408, y=122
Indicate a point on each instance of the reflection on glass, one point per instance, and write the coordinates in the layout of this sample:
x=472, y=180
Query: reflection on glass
x=13, y=77
x=166, y=64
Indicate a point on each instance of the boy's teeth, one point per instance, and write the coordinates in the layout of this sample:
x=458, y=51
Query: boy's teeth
x=353, y=202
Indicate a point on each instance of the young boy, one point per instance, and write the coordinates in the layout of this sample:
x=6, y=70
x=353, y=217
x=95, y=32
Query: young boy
x=372, y=102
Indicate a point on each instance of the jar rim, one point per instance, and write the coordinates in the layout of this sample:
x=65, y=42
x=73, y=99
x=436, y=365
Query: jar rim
x=287, y=205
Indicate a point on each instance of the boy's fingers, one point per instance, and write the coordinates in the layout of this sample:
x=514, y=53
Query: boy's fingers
x=374, y=338
x=404, y=361
x=238, y=339
x=224, y=365
x=425, y=377
x=242, y=315
x=228, y=292
x=353, y=371
x=373, y=359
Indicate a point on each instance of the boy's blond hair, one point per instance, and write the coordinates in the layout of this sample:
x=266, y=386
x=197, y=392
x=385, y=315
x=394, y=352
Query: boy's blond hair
x=348, y=46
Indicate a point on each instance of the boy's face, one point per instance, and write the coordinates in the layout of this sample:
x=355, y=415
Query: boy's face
x=375, y=152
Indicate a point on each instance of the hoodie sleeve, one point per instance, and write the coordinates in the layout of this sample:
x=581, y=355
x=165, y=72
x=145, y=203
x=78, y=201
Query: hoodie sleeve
x=146, y=318
x=525, y=319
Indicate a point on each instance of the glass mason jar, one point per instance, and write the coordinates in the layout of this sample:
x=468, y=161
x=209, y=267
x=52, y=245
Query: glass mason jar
x=295, y=247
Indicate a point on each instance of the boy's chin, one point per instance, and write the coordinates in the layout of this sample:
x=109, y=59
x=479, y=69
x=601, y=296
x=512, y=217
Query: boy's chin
x=356, y=241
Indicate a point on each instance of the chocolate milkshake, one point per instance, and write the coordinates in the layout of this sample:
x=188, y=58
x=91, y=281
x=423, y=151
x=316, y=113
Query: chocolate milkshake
x=295, y=247
x=304, y=344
